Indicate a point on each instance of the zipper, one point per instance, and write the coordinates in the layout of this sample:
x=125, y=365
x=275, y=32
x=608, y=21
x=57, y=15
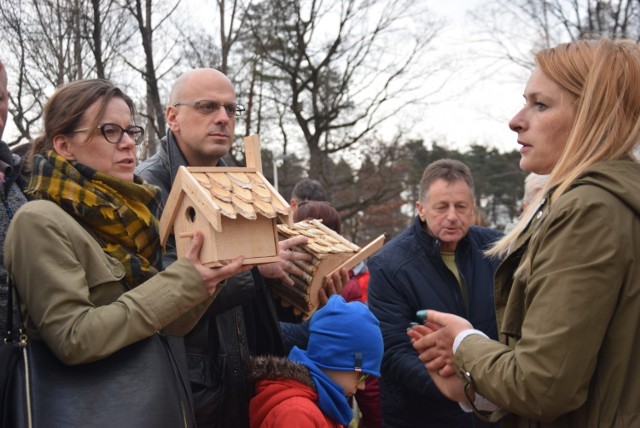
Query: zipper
x=27, y=379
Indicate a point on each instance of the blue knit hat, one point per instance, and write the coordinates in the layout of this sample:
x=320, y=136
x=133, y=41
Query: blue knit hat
x=345, y=336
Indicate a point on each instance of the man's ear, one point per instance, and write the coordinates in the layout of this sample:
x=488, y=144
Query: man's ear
x=421, y=211
x=171, y=116
x=62, y=146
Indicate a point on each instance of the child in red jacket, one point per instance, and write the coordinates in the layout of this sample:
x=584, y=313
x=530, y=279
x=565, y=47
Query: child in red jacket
x=310, y=388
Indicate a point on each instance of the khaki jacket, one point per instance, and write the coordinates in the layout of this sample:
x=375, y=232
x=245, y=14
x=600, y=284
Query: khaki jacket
x=72, y=296
x=570, y=332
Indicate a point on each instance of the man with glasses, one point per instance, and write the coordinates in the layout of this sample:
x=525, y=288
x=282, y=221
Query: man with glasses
x=242, y=321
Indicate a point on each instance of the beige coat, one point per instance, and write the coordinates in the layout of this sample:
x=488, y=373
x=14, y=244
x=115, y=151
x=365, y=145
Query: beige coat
x=72, y=297
x=570, y=333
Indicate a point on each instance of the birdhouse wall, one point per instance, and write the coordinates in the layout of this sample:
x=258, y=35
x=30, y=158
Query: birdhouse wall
x=327, y=264
x=256, y=240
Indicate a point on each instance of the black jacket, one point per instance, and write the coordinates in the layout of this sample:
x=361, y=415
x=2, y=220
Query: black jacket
x=241, y=322
x=407, y=275
x=12, y=198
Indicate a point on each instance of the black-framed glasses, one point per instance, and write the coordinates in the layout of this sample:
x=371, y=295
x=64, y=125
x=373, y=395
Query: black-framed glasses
x=210, y=107
x=362, y=377
x=113, y=133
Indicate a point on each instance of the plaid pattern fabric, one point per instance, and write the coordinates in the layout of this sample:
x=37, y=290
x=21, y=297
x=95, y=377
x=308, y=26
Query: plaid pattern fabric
x=122, y=213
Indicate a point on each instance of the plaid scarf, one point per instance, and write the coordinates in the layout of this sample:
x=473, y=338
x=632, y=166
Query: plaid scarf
x=122, y=214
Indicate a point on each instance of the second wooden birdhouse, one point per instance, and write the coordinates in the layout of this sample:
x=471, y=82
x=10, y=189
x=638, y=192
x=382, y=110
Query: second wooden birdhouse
x=329, y=252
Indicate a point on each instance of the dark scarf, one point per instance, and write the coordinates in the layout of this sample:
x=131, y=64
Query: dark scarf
x=122, y=214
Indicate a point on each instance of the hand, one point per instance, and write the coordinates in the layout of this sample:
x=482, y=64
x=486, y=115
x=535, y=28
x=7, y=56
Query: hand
x=438, y=364
x=212, y=277
x=451, y=386
x=436, y=348
x=333, y=285
x=286, y=266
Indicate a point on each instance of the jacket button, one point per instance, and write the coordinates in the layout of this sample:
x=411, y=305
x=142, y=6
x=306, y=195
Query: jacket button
x=117, y=271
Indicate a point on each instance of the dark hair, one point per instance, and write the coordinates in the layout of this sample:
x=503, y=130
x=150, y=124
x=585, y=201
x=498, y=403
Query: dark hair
x=449, y=170
x=65, y=109
x=318, y=210
x=308, y=190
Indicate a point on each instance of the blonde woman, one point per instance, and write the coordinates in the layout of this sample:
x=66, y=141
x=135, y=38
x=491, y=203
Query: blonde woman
x=568, y=290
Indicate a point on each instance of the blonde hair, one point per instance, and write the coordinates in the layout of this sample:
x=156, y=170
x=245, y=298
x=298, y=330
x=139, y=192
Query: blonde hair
x=602, y=78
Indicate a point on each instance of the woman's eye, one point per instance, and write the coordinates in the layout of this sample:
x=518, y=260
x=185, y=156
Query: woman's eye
x=540, y=106
x=109, y=130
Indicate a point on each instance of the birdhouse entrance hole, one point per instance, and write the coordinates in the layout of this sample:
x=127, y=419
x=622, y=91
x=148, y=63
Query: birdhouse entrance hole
x=191, y=214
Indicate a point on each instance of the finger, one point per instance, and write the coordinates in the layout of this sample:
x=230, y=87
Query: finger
x=193, y=252
x=447, y=371
x=329, y=287
x=295, y=241
x=435, y=364
x=344, y=278
x=322, y=298
x=422, y=330
x=413, y=334
x=432, y=326
x=233, y=268
x=436, y=317
x=292, y=269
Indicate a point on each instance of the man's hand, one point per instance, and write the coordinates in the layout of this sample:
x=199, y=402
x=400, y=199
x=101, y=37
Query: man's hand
x=212, y=277
x=286, y=266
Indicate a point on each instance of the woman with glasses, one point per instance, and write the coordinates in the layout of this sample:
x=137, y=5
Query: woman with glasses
x=310, y=387
x=85, y=255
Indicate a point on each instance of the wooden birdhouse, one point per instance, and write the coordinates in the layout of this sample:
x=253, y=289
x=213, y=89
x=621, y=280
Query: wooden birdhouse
x=235, y=208
x=330, y=251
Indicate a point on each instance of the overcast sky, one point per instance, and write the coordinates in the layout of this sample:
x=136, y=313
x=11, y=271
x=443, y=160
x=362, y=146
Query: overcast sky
x=468, y=109
x=477, y=111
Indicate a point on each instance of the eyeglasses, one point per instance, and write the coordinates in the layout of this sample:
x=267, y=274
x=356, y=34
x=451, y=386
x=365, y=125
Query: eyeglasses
x=210, y=107
x=362, y=377
x=113, y=133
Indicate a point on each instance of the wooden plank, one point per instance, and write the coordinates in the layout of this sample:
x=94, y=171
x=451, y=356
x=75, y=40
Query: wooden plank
x=170, y=210
x=252, y=152
x=220, y=169
x=367, y=251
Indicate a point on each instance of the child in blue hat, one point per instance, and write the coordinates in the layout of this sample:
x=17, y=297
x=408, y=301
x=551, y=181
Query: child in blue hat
x=310, y=388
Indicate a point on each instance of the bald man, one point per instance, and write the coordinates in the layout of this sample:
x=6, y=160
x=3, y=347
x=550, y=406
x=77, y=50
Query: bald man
x=242, y=321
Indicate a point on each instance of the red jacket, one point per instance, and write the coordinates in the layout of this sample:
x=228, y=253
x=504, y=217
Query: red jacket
x=286, y=403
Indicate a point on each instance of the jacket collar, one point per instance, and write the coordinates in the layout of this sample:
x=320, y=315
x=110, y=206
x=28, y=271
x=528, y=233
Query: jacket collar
x=432, y=245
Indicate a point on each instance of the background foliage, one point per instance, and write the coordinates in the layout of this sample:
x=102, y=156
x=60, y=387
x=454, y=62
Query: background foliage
x=320, y=81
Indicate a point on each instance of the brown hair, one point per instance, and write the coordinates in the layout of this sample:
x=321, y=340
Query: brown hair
x=602, y=78
x=318, y=210
x=449, y=170
x=65, y=109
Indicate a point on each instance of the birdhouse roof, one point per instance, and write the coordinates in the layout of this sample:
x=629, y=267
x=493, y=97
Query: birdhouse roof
x=231, y=192
x=321, y=239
